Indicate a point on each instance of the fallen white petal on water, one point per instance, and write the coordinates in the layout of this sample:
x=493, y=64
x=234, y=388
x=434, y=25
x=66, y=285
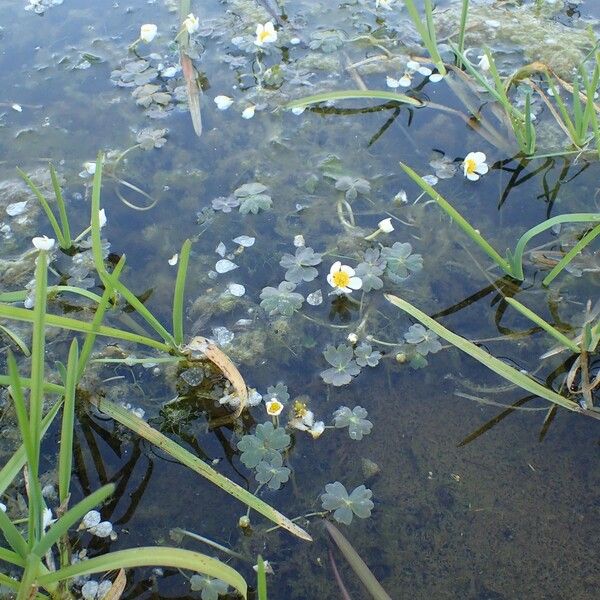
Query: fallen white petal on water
x=223, y=102
x=248, y=112
x=298, y=110
x=16, y=208
x=236, y=289
x=436, y=77
x=315, y=298
x=430, y=179
x=17, y=107
x=173, y=260
x=222, y=335
x=299, y=241
x=244, y=240
x=102, y=217
x=224, y=266
x=221, y=249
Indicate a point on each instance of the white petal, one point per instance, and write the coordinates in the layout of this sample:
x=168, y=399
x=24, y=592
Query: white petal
x=478, y=157
x=223, y=102
x=221, y=249
x=386, y=225
x=16, y=208
x=392, y=83
x=405, y=81
x=436, y=77
x=335, y=267
x=236, y=289
x=355, y=283
x=17, y=107
x=148, y=32
x=299, y=241
x=425, y=71
x=224, y=265
x=348, y=270
x=248, y=112
x=244, y=240
x=317, y=429
x=472, y=176
x=413, y=65
x=298, y=110
x=102, y=217
x=482, y=169
x=43, y=243
x=330, y=280
x=91, y=519
x=173, y=260
x=90, y=167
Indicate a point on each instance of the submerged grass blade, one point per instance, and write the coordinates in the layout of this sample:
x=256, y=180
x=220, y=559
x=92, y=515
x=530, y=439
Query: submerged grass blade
x=353, y=95
x=62, y=209
x=193, y=91
x=139, y=426
x=49, y=214
x=178, y=295
x=22, y=314
x=491, y=362
x=571, y=254
x=150, y=556
x=557, y=335
x=16, y=339
x=357, y=563
x=65, y=454
x=459, y=219
x=17, y=461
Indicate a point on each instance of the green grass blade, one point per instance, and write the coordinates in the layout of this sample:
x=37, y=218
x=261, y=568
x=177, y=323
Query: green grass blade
x=491, y=362
x=16, y=391
x=425, y=31
x=462, y=27
x=62, y=210
x=11, y=557
x=458, y=219
x=65, y=455
x=20, y=295
x=139, y=426
x=529, y=127
x=178, y=295
x=36, y=397
x=151, y=556
x=72, y=516
x=261, y=579
x=353, y=95
x=517, y=256
x=16, y=339
x=104, y=275
x=557, y=335
x=571, y=254
x=16, y=462
x=28, y=586
x=12, y=536
x=562, y=108
x=357, y=563
x=49, y=214
x=90, y=338
x=22, y=314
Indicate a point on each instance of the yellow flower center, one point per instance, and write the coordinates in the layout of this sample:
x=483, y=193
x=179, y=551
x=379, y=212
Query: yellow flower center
x=263, y=35
x=274, y=407
x=341, y=279
x=471, y=165
x=300, y=409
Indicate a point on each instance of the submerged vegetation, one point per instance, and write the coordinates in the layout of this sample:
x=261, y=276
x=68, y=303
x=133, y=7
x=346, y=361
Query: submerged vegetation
x=262, y=366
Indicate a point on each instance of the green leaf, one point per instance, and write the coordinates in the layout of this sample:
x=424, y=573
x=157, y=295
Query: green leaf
x=184, y=256
x=150, y=556
x=491, y=362
x=353, y=95
x=261, y=579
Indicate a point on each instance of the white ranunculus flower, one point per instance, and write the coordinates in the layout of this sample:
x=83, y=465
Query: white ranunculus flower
x=148, y=32
x=223, y=102
x=43, y=242
x=386, y=225
x=474, y=165
x=265, y=34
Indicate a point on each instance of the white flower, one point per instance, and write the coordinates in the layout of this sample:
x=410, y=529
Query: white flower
x=173, y=260
x=102, y=217
x=191, y=23
x=148, y=32
x=274, y=407
x=43, y=243
x=342, y=279
x=223, y=102
x=484, y=62
x=474, y=165
x=265, y=34
x=248, y=112
x=89, y=167
x=352, y=338
x=386, y=225
x=384, y=4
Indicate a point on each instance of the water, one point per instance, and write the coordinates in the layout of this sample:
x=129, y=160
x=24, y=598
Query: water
x=505, y=516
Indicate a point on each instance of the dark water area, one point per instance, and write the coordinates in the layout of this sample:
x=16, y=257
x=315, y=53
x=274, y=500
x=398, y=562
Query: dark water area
x=505, y=516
